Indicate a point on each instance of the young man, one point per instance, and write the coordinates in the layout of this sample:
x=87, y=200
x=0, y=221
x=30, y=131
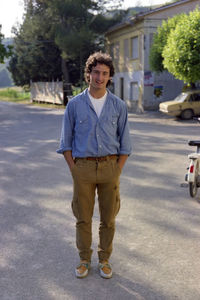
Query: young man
x=95, y=142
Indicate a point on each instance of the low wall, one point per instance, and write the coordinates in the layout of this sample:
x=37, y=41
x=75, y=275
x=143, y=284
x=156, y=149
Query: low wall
x=50, y=92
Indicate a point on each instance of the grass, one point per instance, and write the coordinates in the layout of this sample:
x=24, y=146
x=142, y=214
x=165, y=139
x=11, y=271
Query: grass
x=18, y=95
x=14, y=94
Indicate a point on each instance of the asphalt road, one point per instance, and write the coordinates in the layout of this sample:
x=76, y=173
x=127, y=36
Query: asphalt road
x=157, y=244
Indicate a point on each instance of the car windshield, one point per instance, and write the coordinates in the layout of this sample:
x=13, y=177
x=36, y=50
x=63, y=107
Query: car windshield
x=181, y=97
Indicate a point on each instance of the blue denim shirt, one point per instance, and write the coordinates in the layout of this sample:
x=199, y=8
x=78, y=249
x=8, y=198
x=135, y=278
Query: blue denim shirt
x=87, y=135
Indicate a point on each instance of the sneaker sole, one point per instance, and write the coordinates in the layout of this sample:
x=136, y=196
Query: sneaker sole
x=105, y=276
x=80, y=276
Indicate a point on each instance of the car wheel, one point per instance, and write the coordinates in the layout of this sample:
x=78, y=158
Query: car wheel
x=187, y=114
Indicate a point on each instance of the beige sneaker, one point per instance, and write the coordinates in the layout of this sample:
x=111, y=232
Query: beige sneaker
x=82, y=269
x=105, y=269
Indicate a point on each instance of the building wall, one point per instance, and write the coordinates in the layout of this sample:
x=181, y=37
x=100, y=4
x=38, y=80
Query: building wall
x=127, y=68
x=131, y=87
x=133, y=75
x=165, y=87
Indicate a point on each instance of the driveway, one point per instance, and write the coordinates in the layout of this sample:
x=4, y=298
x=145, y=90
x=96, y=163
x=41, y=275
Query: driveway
x=157, y=244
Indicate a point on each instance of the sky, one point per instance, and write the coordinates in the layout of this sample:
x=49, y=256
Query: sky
x=11, y=12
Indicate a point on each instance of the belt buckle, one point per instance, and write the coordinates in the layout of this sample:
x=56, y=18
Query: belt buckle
x=101, y=158
x=104, y=158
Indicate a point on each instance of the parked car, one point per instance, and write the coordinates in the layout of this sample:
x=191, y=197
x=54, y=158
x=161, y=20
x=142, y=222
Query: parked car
x=186, y=105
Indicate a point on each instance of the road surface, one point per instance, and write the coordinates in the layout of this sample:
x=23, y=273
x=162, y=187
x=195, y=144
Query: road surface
x=157, y=244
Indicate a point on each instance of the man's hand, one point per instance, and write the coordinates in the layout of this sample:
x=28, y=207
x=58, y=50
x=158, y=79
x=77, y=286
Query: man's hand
x=121, y=160
x=69, y=159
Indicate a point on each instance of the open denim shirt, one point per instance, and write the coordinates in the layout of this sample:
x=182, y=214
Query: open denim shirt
x=87, y=135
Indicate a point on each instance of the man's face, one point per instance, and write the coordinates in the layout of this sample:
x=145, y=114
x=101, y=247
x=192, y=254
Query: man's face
x=99, y=77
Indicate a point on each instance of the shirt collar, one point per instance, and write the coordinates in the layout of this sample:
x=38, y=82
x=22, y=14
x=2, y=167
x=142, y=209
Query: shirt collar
x=85, y=94
x=88, y=101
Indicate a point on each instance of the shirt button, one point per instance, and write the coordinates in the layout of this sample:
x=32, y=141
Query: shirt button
x=99, y=146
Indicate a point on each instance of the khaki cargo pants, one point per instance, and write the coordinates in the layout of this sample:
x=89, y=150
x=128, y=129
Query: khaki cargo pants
x=89, y=176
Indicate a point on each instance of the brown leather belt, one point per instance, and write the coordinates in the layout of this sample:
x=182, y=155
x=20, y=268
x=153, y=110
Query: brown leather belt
x=99, y=158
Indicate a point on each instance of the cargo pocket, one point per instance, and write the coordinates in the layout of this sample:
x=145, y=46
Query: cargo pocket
x=74, y=206
x=117, y=203
x=117, y=198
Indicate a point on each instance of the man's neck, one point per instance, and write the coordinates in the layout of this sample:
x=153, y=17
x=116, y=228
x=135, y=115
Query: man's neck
x=97, y=94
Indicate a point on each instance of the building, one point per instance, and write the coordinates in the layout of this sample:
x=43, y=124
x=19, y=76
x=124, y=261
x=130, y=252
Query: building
x=129, y=44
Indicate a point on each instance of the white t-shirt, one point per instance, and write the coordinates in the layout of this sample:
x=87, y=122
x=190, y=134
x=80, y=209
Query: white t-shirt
x=98, y=103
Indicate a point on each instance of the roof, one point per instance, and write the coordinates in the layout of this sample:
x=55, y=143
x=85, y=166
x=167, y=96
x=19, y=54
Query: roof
x=142, y=15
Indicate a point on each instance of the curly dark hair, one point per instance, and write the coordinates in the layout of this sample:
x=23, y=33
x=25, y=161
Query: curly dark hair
x=98, y=58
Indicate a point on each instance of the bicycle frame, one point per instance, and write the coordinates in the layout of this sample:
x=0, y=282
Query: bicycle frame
x=193, y=174
x=194, y=157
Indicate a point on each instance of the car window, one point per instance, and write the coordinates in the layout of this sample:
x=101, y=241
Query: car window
x=195, y=97
x=181, y=97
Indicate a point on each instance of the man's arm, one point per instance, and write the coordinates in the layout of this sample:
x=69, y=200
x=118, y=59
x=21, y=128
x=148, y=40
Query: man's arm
x=124, y=136
x=69, y=159
x=67, y=129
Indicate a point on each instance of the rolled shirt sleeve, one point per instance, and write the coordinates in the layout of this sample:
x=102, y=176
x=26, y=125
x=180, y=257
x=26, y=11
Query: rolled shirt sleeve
x=67, y=130
x=123, y=132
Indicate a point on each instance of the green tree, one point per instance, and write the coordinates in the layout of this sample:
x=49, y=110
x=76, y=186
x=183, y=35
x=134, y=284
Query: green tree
x=56, y=37
x=79, y=29
x=5, y=52
x=160, y=41
x=182, y=50
x=73, y=34
x=36, y=57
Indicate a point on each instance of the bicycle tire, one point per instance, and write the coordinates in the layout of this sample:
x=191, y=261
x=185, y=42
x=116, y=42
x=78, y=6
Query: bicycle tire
x=192, y=189
x=193, y=185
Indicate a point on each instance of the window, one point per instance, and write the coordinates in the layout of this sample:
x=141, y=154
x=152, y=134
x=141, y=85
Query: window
x=134, y=91
x=134, y=48
x=114, y=51
x=126, y=48
x=117, y=51
x=122, y=88
x=151, y=37
x=195, y=97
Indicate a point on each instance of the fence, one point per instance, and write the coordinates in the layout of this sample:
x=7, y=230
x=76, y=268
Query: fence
x=50, y=92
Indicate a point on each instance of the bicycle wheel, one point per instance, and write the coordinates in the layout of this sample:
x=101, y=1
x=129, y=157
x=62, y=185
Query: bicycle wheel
x=192, y=189
x=193, y=185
